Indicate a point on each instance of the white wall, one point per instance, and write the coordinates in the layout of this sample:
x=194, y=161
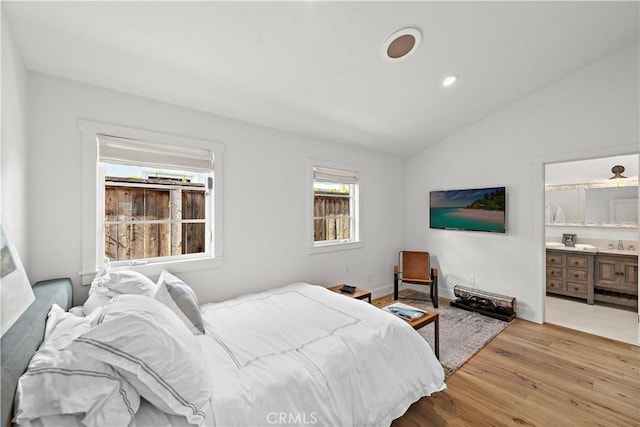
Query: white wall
x=14, y=179
x=265, y=194
x=596, y=107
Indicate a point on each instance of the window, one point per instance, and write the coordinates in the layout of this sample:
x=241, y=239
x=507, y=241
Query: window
x=150, y=200
x=152, y=210
x=335, y=206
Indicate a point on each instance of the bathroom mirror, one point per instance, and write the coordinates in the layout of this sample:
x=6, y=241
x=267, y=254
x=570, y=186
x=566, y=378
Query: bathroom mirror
x=593, y=205
x=599, y=192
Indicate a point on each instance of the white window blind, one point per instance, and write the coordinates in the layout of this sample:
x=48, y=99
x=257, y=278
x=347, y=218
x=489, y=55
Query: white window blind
x=113, y=149
x=321, y=173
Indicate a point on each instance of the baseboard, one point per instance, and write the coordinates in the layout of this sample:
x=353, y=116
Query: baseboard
x=382, y=292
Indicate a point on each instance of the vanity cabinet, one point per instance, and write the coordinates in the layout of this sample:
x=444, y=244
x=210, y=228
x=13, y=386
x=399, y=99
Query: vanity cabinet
x=570, y=274
x=616, y=279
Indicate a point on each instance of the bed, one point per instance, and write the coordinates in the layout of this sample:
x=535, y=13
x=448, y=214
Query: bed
x=294, y=355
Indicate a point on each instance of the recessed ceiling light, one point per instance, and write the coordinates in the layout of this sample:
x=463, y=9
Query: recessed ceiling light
x=450, y=80
x=401, y=44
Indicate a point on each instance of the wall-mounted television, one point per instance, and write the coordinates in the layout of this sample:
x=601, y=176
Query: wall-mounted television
x=474, y=209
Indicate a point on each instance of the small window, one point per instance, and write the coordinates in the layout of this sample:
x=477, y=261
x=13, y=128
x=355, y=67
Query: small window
x=155, y=202
x=335, y=206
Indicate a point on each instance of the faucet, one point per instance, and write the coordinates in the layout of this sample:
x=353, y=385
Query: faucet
x=620, y=246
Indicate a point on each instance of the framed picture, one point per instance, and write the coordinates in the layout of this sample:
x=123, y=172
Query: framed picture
x=569, y=240
x=16, y=295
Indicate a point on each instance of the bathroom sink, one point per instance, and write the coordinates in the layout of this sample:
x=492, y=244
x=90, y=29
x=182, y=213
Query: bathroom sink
x=577, y=247
x=582, y=247
x=617, y=251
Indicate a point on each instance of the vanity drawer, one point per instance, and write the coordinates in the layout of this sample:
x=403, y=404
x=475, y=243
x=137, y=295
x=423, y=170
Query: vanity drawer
x=576, y=288
x=554, y=285
x=554, y=272
x=555, y=259
x=578, y=275
x=577, y=261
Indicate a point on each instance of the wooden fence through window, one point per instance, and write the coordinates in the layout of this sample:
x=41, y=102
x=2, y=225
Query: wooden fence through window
x=141, y=239
x=332, y=219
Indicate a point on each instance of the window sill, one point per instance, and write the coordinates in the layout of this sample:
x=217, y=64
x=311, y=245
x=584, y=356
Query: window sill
x=154, y=269
x=334, y=247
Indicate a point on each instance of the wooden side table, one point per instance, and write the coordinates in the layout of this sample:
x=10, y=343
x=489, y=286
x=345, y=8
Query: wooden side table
x=429, y=317
x=357, y=294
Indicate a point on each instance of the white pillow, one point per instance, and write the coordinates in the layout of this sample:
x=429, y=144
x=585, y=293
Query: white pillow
x=151, y=347
x=61, y=382
x=77, y=311
x=181, y=299
x=110, y=282
x=117, y=282
x=96, y=300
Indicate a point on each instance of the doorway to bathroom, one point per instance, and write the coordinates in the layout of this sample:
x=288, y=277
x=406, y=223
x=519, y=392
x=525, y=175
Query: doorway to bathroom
x=591, y=245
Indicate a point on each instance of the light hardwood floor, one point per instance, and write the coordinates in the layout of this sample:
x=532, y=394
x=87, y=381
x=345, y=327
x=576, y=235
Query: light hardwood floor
x=538, y=375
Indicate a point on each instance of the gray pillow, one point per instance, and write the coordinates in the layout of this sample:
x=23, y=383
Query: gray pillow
x=181, y=299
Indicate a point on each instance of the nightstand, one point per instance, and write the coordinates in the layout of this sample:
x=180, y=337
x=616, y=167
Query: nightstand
x=357, y=294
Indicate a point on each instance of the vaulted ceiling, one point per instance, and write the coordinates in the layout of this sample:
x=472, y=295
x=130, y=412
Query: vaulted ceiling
x=317, y=68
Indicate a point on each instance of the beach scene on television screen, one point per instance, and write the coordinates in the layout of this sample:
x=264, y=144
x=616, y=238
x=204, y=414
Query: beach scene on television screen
x=479, y=209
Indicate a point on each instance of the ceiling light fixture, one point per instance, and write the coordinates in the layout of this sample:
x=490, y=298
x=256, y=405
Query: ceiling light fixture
x=450, y=80
x=401, y=44
x=617, y=172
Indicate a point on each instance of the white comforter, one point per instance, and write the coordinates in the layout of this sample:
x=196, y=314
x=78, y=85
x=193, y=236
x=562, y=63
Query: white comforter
x=303, y=355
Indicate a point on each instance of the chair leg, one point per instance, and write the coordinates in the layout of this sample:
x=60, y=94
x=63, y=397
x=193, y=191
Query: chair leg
x=395, y=286
x=434, y=292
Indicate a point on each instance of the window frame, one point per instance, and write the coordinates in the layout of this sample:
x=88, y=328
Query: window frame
x=93, y=202
x=355, y=200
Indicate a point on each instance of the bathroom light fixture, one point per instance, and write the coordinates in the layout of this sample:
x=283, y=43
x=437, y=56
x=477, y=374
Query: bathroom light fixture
x=450, y=80
x=401, y=44
x=617, y=172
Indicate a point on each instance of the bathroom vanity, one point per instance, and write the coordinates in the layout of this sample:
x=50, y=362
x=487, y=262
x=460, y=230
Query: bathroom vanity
x=595, y=275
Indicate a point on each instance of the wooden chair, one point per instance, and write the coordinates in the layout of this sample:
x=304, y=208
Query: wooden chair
x=414, y=268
